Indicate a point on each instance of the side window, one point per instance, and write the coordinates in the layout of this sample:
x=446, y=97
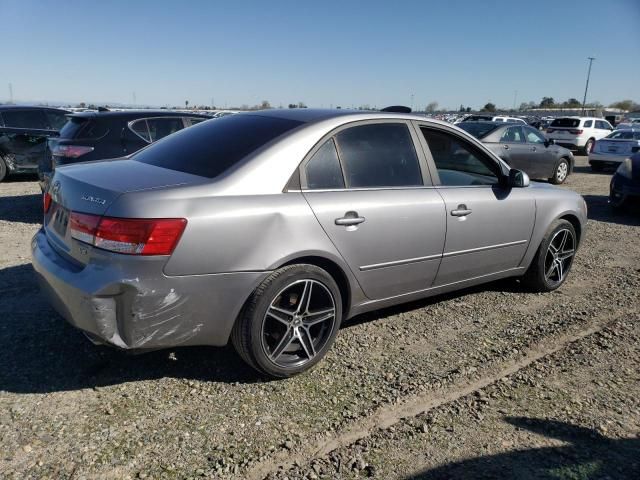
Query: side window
x=379, y=155
x=161, y=127
x=55, y=120
x=512, y=135
x=323, y=170
x=139, y=127
x=588, y=123
x=191, y=121
x=458, y=162
x=24, y=119
x=533, y=136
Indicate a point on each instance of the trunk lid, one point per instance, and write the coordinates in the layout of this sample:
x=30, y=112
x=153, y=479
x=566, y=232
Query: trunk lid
x=92, y=188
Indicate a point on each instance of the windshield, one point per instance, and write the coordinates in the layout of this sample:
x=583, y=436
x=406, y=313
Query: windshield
x=478, y=130
x=625, y=135
x=209, y=148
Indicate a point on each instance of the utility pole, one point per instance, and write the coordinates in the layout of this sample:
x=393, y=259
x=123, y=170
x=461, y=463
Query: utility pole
x=584, y=100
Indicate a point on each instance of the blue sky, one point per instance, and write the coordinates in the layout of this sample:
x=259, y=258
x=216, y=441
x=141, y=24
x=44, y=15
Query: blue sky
x=322, y=53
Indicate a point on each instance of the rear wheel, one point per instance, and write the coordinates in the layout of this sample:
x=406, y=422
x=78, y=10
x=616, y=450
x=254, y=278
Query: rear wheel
x=561, y=173
x=290, y=321
x=554, y=258
x=588, y=146
x=3, y=169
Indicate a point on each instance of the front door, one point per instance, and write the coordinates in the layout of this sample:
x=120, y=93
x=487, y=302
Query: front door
x=542, y=158
x=488, y=225
x=367, y=188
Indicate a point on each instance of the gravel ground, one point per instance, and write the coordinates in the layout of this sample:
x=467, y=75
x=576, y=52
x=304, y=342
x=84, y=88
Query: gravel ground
x=488, y=382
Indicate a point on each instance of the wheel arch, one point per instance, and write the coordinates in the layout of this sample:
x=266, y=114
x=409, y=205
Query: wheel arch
x=573, y=220
x=332, y=268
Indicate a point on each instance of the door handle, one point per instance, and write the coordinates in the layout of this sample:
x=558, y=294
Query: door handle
x=533, y=149
x=350, y=218
x=461, y=211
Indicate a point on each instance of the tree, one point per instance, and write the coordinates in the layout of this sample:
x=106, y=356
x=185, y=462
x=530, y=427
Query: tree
x=431, y=107
x=572, y=103
x=547, y=102
x=628, y=105
x=265, y=105
x=468, y=109
x=489, y=107
x=461, y=108
x=186, y=104
x=293, y=105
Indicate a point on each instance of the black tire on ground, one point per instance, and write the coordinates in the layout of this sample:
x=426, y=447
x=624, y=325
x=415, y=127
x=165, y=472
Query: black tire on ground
x=588, y=146
x=535, y=278
x=250, y=338
x=561, y=172
x=3, y=169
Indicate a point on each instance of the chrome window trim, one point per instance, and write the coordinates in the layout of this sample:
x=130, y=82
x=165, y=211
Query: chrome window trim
x=161, y=117
x=130, y=127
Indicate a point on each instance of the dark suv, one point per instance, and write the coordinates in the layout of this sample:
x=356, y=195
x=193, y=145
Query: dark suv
x=111, y=134
x=23, y=136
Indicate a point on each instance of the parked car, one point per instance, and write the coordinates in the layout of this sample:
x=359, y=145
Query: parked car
x=89, y=136
x=271, y=228
x=491, y=118
x=525, y=148
x=625, y=183
x=24, y=131
x=578, y=132
x=611, y=150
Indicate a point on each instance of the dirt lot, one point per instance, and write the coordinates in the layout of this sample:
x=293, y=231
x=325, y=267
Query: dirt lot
x=490, y=382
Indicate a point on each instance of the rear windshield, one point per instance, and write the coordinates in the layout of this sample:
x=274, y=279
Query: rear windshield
x=478, y=130
x=625, y=135
x=476, y=118
x=566, y=122
x=82, y=127
x=210, y=148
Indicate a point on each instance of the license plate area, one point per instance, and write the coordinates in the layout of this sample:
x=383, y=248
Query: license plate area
x=60, y=221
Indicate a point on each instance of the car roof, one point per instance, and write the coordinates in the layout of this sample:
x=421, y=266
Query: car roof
x=136, y=114
x=30, y=107
x=313, y=115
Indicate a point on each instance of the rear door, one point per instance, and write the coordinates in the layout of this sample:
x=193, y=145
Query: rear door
x=488, y=225
x=369, y=188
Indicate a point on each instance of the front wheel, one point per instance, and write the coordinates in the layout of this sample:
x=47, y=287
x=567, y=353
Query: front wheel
x=588, y=146
x=290, y=321
x=554, y=258
x=561, y=173
x=3, y=169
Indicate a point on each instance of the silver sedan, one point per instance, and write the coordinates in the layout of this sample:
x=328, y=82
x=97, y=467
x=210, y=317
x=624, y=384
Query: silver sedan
x=272, y=228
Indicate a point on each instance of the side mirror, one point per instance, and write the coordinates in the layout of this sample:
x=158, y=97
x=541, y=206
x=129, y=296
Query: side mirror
x=549, y=141
x=518, y=179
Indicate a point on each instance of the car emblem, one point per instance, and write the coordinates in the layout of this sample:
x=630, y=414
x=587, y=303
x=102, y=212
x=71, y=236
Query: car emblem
x=91, y=199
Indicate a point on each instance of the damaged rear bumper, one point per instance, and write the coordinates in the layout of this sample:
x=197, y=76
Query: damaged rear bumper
x=128, y=301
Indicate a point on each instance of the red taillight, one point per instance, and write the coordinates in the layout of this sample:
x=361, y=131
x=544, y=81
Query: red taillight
x=46, y=201
x=575, y=131
x=130, y=236
x=70, y=151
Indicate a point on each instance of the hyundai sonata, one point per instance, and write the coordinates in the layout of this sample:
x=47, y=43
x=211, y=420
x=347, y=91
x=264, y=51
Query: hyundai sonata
x=271, y=228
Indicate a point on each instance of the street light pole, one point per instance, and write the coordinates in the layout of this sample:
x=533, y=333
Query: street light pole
x=584, y=100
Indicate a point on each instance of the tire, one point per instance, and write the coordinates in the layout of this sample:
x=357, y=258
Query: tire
x=561, y=172
x=543, y=274
x=3, y=169
x=279, y=332
x=588, y=146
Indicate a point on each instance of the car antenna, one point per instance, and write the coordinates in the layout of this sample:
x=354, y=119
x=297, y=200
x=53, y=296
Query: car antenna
x=397, y=109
